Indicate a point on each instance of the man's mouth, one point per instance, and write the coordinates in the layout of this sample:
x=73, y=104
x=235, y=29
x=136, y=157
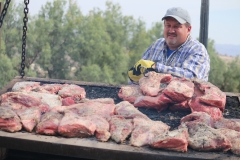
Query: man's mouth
x=172, y=35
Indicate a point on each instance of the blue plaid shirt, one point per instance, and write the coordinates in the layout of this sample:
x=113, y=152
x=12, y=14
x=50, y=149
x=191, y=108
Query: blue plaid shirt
x=190, y=60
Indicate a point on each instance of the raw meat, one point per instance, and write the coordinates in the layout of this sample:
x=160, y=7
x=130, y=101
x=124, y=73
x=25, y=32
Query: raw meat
x=50, y=99
x=102, y=127
x=29, y=117
x=76, y=92
x=179, y=90
x=233, y=124
x=49, y=123
x=183, y=106
x=9, y=121
x=210, y=94
x=21, y=100
x=72, y=125
x=205, y=138
x=197, y=117
x=24, y=86
x=128, y=111
x=208, y=98
x=49, y=88
x=153, y=83
x=88, y=108
x=93, y=108
x=234, y=137
x=197, y=106
x=175, y=140
x=130, y=93
x=100, y=100
x=68, y=101
x=120, y=128
x=145, y=131
x=150, y=102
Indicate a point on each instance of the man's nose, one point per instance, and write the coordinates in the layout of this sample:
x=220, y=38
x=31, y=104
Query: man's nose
x=171, y=29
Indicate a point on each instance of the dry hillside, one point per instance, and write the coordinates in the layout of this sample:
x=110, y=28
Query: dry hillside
x=226, y=58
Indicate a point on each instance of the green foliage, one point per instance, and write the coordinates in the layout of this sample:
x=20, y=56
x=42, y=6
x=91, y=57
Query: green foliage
x=217, y=66
x=222, y=74
x=100, y=46
x=6, y=69
x=232, y=77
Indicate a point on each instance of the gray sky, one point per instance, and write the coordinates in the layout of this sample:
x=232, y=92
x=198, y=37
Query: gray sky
x=224, y=15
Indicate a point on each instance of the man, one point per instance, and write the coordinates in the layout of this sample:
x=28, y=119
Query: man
x=178, y=53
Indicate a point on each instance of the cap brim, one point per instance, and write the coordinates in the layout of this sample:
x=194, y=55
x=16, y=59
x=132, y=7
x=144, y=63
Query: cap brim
x=180, y=20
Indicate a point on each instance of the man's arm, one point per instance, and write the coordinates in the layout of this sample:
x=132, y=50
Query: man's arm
x=154, y=48
x=196, y=65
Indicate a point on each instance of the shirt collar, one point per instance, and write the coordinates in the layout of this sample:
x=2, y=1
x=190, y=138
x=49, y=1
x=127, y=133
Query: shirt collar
x=188, y=39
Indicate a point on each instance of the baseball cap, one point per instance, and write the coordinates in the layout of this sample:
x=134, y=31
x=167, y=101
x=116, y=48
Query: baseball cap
x=181, y=15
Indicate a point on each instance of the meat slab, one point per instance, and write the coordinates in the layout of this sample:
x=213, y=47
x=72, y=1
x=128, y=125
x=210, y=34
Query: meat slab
x=102, y=127
x=179, y=90
x=25, y=86
x=130, y=93
x=9, y=121
x=197, y=117
x=233, y=124
x=120, y=128
x=145, y=131
x=234, y=137
x=205, y=138
x=75, y=92
x=29, y=117
x=21, y=100
x=175, y=140
x=48, y=124
x=150, y=102
x=152, y=83
x=128, y=111
x=72, y=125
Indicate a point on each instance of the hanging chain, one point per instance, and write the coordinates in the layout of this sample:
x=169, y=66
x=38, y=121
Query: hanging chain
x=4, y=12
x=24, y=37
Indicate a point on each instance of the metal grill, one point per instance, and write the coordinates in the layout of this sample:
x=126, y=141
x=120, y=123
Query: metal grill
x=90, y=148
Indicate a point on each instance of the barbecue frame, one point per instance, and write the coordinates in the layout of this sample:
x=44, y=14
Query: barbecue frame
x=90, y=147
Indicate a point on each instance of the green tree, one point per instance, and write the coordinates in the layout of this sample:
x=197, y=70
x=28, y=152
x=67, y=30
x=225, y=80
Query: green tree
x=7, y=70
x=47, y=41
x=11, y=44
x=12, y=34
x=142, y=39
x=231, y=81
x=222, y=74
x=101, y=46
x=217, y=66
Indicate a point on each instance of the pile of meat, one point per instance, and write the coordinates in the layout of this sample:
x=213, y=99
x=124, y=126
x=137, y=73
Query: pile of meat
x=64, y=110
x=207, y=128
x=162, y=91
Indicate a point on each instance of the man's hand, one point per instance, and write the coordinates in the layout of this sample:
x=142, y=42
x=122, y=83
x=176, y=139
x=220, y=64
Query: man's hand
x=154, y=66
x=139, y=69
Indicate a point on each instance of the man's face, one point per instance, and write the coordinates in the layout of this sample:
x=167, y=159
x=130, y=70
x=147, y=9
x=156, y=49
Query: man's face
x=175, y=33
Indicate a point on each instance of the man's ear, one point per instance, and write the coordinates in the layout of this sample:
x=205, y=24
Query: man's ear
x=189, y=28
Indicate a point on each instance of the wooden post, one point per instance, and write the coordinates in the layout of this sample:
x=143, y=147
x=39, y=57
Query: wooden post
x=0, y=28
x=204, y=17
